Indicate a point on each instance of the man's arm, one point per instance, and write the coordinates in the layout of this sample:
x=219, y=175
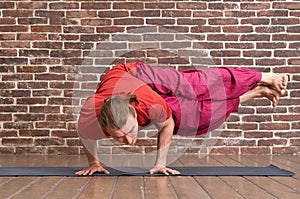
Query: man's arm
x=163, y=145
x=90, y=148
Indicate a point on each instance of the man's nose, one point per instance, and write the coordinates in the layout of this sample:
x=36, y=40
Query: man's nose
x=130, y=139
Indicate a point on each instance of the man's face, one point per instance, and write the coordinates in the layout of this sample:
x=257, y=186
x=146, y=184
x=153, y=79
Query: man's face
x=128, y=133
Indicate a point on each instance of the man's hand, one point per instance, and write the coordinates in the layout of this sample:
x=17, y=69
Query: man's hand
x=164, y=170
x=92, y=169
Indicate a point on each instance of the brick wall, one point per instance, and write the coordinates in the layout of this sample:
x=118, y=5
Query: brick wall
x=53, y=53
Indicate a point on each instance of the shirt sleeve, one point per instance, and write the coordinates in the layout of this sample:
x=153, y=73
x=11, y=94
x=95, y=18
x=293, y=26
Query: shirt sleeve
x=88, y=126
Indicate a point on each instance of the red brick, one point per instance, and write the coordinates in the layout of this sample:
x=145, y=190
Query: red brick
x=257, y=53
x=207, y=14
x=258, y=134
x=89, y=22
x=34, y=53
x=287, y=69
x=50, y=76
x=48, y=141
x=65, y=53
x=255, y=150
x=17, y=141
x=225, y=53
x=204, y=29
x=49, y=14
x=45, y=28
x=17, y=13
x=8, y=52
x=45, y=109
x=286, y=5
x=17, y=28
x=286, y=150
x=32, y=85
x=270, y=62
x=240, y=13
x=7, y=150
x=34, y=133
x=31, y=5
x=187, y=21
x=191, y=5
x=16, y=44
x=225, y=150
x=63, y=150
x=31, y=36
x=148, y=13
x=90, y=38
x=270, y=45
x=29, y=117
x=256, y=21
x=8, y=133
x=272, y=142
x=7, y=21
x=295, y=142
x=160, y=5
x=174, y=13
x=160, y=21
x=222, y=37
x=31, y=101
x=5, y=117
x=81, y=14
x=31, y=150
x=223, y=21
x=7, y=5
x=238, y=29
x=269, y=29
x=257, y=118
x=238, y=62
x=255, y=6
x=274, y=126
x=63, y=6
x=110, y=29
x=294, y=61
x=35, y=21
x=16, y=77
x=285, y=37
x=273, y=13
x=64, y=134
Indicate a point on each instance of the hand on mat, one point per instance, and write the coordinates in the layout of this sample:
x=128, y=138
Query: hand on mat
x=92, y=169
x=164, y=170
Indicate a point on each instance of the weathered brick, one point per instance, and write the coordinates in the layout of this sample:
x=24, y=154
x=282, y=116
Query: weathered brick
x=63, y=6
x=255, y=150
x=46, y=28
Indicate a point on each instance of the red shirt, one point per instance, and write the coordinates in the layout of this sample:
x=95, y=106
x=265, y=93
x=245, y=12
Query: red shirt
x=119, y=80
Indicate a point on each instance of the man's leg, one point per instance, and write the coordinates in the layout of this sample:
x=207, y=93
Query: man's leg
x=262, y=91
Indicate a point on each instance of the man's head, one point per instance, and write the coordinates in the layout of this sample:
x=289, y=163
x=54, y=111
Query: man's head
x=118, y=117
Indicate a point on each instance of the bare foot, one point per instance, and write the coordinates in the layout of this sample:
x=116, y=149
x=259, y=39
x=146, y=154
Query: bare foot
x=277, y=81
x=271, y=94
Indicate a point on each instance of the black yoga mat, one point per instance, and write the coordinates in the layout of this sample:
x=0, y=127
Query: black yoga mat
x=138, y=171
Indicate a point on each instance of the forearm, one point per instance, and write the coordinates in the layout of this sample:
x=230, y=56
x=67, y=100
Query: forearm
x=90, y=149
x=163, y=143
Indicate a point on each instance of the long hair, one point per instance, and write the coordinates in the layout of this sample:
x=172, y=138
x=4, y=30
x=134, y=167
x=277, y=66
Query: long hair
x=115, y=111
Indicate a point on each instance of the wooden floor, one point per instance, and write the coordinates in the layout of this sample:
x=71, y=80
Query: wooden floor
x=153, y=187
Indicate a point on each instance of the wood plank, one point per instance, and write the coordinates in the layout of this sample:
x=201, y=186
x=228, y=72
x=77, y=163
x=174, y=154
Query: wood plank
x=16, y=185
x=187, y=187
x=38, y=189
x=274, y=188
x=129, y=187
x=216, y=188
x=246, y=188
x=159, y=188
x=227, y=161
x=292, y=182
x=189, y=160
x=99, y=186
x=68, y=187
